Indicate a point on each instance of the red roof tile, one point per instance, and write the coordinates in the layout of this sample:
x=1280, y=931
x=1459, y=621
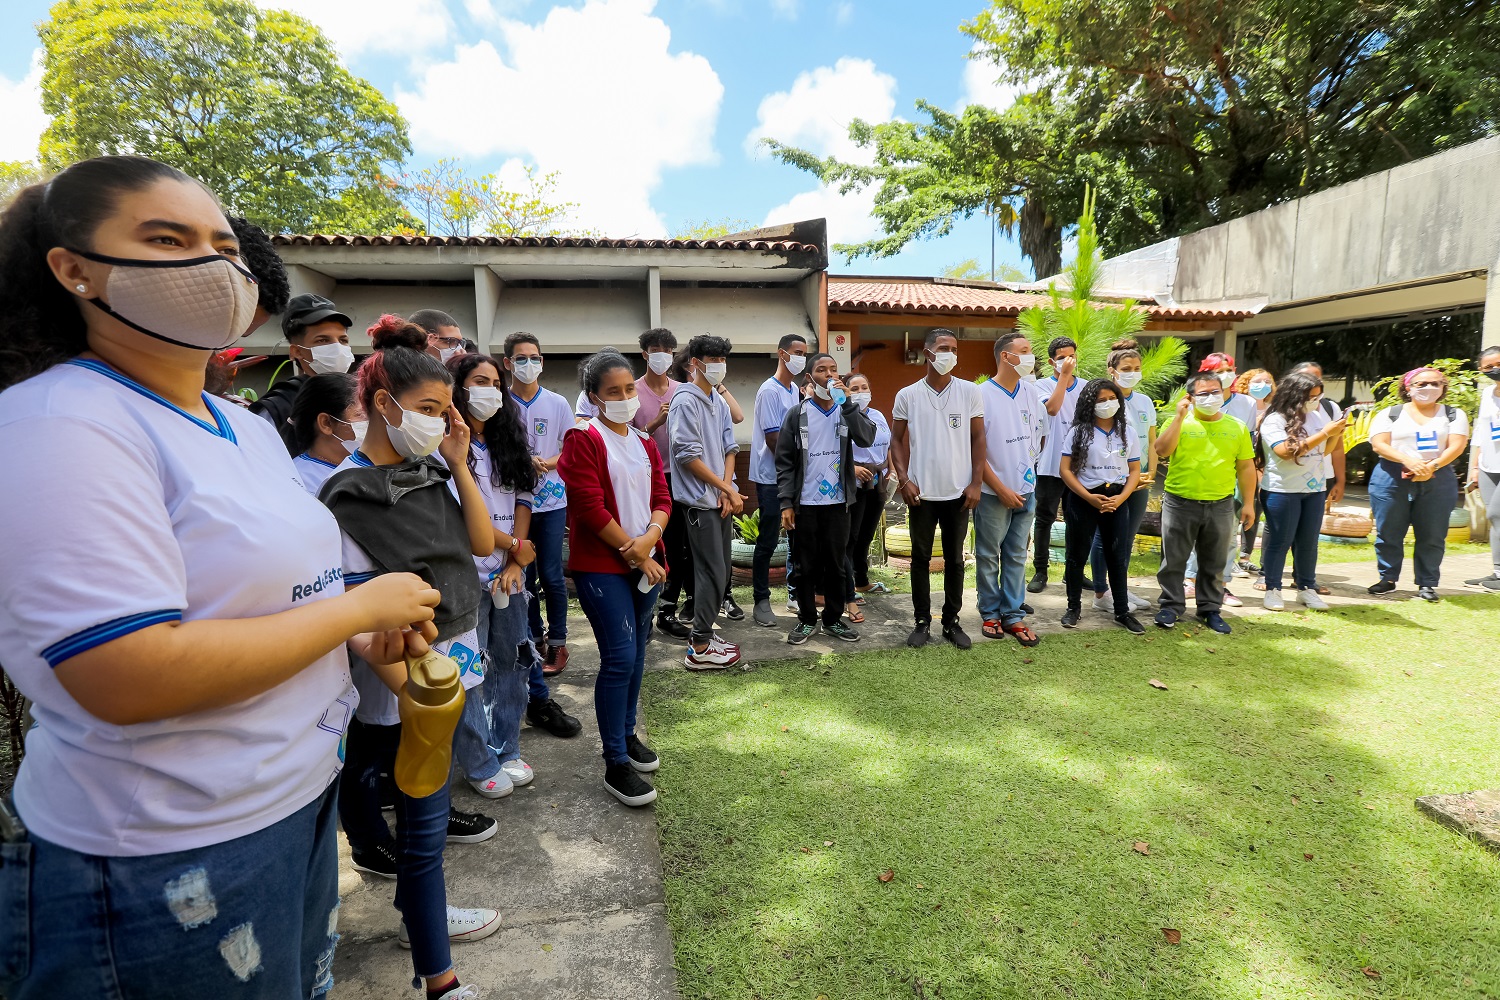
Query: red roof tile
x=323, y=240
x=952, y=298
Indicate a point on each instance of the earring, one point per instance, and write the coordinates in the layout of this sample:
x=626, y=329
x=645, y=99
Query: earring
x=82, y=288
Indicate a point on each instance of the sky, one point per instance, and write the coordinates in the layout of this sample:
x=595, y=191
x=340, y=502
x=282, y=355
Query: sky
x=650, y=110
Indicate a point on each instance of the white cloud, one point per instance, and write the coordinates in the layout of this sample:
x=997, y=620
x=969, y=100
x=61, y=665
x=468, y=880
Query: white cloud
x=848, y=215
x=593, y=92
x=785, y=9
x=21, y=118
x=362, y=26
x=980, y=86
x=843, y=13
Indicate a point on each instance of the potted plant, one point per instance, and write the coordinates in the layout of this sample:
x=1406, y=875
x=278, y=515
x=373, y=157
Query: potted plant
x=742, y=545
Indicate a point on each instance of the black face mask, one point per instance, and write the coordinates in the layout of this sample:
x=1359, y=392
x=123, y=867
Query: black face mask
x=1493, y=375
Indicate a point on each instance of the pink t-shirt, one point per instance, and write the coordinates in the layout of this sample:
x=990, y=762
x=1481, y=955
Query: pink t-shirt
x=650, y=407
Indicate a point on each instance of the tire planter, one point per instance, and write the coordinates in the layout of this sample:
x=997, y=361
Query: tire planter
x=1148, y=545
x=1356, y=526
x=1344, y=539
x=1059, y=533
x=1151, y=524
x=903, y=564
x=1459, y=518
x=742, y=576
x=898, y=543
x=742, y=554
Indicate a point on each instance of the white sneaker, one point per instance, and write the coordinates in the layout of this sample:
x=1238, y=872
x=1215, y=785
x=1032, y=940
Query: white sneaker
x=497, y=787
x=463, y=925
x=465, y=992
x=792, y=606
x=1230, y=601
x=519, y=771
x=717, y=656
x=1105, y=603
x=1312, y=600
x=1136, y=603
x=1273, y=601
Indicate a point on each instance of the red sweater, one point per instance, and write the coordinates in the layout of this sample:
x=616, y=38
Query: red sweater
x=584, y=468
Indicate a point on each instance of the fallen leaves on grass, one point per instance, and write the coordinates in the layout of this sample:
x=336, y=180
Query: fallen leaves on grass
x=805, y=850
x=1306, y=856
x=1370, y=973
x=827, y=843
x=1296, y=800
x=1157, y=684
x=886, y=875
x=1141, y=847
x=1172, y=934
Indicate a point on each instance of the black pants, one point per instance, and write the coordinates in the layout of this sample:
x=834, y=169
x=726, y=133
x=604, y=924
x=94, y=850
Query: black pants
x=1049, y=494
x=928, y=516
x=824, y=529
x=1083, y=519
x=769, y=502
x=369, y=751
x=679, y=562
x=864, y=518
x=1247, y=535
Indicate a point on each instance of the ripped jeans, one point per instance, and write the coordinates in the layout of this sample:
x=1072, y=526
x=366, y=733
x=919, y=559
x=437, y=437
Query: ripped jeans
x=253, y=918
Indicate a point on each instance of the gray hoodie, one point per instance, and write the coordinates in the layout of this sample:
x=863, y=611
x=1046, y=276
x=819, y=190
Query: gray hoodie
x=698, y=426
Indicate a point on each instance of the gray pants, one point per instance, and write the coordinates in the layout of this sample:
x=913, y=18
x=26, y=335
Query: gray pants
x=1187, y=526
x=708, y=541
x=1489, y=492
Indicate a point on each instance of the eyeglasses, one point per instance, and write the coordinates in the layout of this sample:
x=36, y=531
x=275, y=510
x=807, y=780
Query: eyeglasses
x=1427, y=385
x=444, y=341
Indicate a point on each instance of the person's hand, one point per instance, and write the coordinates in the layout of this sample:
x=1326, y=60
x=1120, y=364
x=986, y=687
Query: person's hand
x=789, y=520
x=1107, y=504
x=1066, y=366
x=653, y=571
x=510, y=579
x=911, y=493
x=540, y=464
x=1473, y=482
x=1184, y=406
x=385, y=647
x=971, y=496
x=1334, y=428
x=863, y=474
x=419, y=640
x=1335, y=492
x=837, y=383
x=394, y=600
x=524, y=554
x=455, y=444
x=736, y=501
x=1422, y=475
x=1009, y=497
x=638, y=549
x=661, y=417
x=1247, y=517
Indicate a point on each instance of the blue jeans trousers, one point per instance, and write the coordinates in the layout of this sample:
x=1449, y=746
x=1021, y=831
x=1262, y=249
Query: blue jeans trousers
x=254, y=918
x=1000, y=537
x=507, y=675
x=369, y=752
x=544, y=577
x=421, y=833
x=769, y=503
x=1293, y=521
x=1400, y=504
x=621, y=618
x=1135, y=510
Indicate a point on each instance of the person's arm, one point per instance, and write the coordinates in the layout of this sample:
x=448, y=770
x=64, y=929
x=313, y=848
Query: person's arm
x=788, y=457
x=1148, y=456
x=729, y=503
x=1065, y=470
x=525, y=553
x=639, y=551
x=736, y=415
x=1060, y=390
x=1166, y=441
x=661, y=416
x=977, y=462
x=471, y=500
x=911, y=492
x=1245, y=471
x=1456, y=445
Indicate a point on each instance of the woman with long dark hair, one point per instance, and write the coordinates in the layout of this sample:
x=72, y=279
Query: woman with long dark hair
x=1484, y=463
x=173, y=606
x=327, y=426
x=617, y=510
x=1101, y=467
x=1293, y=435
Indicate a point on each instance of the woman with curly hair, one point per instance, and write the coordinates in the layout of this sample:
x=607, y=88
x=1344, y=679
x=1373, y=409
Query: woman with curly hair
x=1258, y=384
x=1101, y=467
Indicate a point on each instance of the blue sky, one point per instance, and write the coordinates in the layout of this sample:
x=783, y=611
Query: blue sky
x=648, y=108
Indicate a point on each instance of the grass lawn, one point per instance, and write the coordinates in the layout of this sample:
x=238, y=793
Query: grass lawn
x=1005, y=791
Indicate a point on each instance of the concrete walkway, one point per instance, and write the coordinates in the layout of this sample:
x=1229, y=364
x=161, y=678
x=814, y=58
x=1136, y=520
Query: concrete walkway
x=577, y=876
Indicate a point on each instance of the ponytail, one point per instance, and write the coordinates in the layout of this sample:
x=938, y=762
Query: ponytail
x=331, y=393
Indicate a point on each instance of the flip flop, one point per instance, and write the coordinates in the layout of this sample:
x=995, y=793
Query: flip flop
x=877, y=588
x=854, y=616
x=992, y=630
x=1023, y=635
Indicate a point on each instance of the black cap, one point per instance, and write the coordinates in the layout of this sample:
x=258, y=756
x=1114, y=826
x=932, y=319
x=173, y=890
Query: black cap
x=305, y=310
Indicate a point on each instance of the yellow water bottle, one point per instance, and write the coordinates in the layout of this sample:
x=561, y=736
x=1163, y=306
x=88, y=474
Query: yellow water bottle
x=430, y=704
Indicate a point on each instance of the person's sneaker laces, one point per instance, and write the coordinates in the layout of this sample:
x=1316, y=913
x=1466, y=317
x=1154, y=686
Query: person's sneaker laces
x=1311, y=600
x=841, y=630
x=1166, y=618
x=556, y=661
x=1230, y=601
x=518, y=771
x=1383, y=587
x=1273, y=601
x=732, y=610
x=764, y=616
x=668, y=625
x=463, y=925
x=378, y=860
x=624, y=783
x=1215, y=621
x=1070, y=618
x=920, y=636
x=497, y=786
x=800, y=633
x=1131, y=624
x=469, y=828
x=1038, y=583
x=642, y=757
x=544, y=713
x=955, y=634
x=716, y=656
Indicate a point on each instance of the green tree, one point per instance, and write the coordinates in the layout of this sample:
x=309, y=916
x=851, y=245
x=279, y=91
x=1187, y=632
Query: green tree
x=971, y=270
x=447, y=201
x=254, y=103
x=709, y=229
x=15, y=175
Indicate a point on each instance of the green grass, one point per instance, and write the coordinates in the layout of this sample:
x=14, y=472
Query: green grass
x=1005, y=790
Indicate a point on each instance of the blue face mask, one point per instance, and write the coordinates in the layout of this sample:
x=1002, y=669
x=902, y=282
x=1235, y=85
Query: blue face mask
x=1260, y=390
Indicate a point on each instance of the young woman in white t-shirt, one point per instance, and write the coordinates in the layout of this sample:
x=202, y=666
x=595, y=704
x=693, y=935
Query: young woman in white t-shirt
x=1139, y=410
x=1484, y=463
x=1258, y=384
x=327, y=425
x=1413, y=485
x=173, y=606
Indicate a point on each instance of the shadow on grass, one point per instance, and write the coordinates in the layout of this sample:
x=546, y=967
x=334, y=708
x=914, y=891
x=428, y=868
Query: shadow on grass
x=1004, y=790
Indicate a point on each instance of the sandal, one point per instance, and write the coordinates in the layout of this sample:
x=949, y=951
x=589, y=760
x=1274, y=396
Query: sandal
x=1259, y=584
x=1023, y=635
x=854, y=616
x=992, y=629
x=876, y=588
x=859, y=600
x=1322, y=590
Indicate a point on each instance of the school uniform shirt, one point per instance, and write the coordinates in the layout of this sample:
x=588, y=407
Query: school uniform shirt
x=1205, y=464
x=1241, y=406
x=501, y=503
x=1014, y=426
x=937, y=428
x=312, y=471
x=1109, y=457
x=877, y=453
x=582, y=408
x=1425, y=441
x=651, y=405
x=822, y=484
x=122, y=512
x=1306, y=473
x=629, y=476
x=546, y=418
x=1487, y=432
x=772, y=400
x=1057, y=424
x=1140, y=410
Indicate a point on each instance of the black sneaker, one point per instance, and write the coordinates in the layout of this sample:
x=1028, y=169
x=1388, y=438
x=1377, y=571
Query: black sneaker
x=469, y=828
x=378, y=860
x=686, y=614
x=544, y=713
x=1038, y=584
x=1088, y=584
x=1215, y=621
x=955, y=634
x=920, y=636
x=642, y=757
x=1070, y=618
x=1130, y=624
x=1489, y=584
x=1383, y=587
x=1428, y=594
x=668, y=625
x=622, y=781
x=841, y=630
x=732, y=610
x=800, y=633
x=1166, y=618
x=1027, y=609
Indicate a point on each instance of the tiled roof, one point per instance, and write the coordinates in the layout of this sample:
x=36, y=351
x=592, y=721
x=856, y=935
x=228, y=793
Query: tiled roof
x=322, y=240
x=919, y=295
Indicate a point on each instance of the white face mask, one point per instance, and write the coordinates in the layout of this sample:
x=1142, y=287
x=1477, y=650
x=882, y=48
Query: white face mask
x=861, y=399
x=621, y=411
x=444, y=353
x=484, y=401
x=714, y=374
x=1127, y=380
x=1426, y=394
x=1208, y=404
x=659, y=361
x=1311, y=406
x=358, y=427
x=795, y=363
x=1226, y=379
x=331, y=359
x=944, y=361
x=528, y=370
x=1106, y=408
x=1025, y=364
x=418, y=435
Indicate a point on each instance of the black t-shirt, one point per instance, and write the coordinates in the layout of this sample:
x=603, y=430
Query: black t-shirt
x=276, y=407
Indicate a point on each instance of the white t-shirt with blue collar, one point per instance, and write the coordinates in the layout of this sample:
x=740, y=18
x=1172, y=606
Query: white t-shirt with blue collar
x=1058, y=425
x=1014, y=426
x=822, y=483
x=1109, y=458
x=772, y=400
x=547, y=417
x=313, y=471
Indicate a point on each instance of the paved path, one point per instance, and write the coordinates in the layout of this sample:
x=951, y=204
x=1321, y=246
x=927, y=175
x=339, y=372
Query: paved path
x=577, y=876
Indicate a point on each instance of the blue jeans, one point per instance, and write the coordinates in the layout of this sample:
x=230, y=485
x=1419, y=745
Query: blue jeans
x=505, y=676
x=1135, y=510
x=1293, y=521
x=1399, y=504
x=547, y=535
x=369, y=751
x=255, y=917
x=421, y=832
x=621, y=617
x=769, y=504
x=473, y=757
x=1000, y=537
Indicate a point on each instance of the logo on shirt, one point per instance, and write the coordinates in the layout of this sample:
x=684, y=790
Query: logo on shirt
x=1030, y=478
x=320, y=584
x=1427, y=441
x=552, y=489
x=1495, y=431
x=539, y=426
x=953, y=420
x=469, y=663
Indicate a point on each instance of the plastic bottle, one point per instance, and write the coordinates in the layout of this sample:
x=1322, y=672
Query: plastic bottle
x=430, y=704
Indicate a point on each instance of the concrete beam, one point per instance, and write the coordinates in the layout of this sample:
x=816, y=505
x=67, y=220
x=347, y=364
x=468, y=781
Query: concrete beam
x=653, y=297
x=1492, y=306
x=487, y=286
x=307, y=280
